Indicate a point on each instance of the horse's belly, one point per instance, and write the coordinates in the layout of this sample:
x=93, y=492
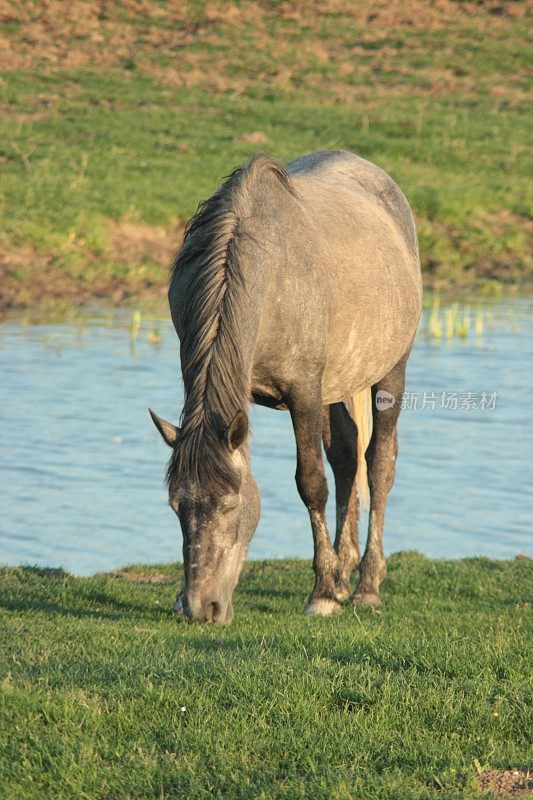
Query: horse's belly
x=360, y=356
x=351, y=370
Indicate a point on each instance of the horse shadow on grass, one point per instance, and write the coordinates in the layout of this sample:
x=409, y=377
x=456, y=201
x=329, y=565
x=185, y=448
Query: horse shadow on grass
x=53, y=609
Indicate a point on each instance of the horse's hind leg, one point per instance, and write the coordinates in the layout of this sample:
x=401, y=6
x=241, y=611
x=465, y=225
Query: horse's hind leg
x=340, y=443
x=312, y=486
x=381, y=461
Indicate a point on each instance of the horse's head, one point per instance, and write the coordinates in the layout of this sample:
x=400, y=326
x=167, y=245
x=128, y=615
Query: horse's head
x=217, y=526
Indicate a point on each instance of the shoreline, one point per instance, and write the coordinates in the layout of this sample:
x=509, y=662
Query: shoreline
x=170, y=571
x=54, y=291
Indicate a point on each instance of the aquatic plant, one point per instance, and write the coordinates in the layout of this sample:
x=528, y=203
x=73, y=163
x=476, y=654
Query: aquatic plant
x=135, y=326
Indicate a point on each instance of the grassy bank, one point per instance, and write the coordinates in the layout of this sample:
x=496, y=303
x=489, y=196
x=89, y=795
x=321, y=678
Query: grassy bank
x=105, y=695
x=116, y=119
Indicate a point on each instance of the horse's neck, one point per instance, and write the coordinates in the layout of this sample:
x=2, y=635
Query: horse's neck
x=253, y=291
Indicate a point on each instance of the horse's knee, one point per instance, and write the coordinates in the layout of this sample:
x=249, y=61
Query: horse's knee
x=312, y=484
x=381, y=474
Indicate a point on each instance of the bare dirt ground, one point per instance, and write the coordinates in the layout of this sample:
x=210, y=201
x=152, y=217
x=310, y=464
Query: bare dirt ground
x=142, y=576
x=133, y=244
x=507, y=783
x=88, y=32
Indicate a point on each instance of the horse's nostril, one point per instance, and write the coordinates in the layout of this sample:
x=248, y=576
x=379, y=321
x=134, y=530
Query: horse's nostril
x=213, y=611
x=197, y=610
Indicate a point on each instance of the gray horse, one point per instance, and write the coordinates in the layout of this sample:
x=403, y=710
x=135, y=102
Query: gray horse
x=297, y=287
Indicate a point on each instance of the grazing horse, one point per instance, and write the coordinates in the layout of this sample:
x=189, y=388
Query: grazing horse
x=297, y=287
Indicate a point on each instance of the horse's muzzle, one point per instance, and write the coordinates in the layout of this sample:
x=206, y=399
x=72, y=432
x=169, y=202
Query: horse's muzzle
x=209, y=610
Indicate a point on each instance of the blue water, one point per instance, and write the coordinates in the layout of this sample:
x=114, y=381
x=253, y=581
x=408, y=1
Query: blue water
x=81, y=465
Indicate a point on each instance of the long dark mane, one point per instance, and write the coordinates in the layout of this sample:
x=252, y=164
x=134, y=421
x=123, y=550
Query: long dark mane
x=216, y=386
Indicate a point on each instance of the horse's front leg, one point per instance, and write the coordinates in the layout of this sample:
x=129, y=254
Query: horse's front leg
x=313, y=489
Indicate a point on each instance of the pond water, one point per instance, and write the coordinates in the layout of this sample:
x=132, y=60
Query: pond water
x=81, y=483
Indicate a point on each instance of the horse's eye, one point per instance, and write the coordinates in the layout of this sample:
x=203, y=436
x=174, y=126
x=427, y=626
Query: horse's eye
x=229, y=502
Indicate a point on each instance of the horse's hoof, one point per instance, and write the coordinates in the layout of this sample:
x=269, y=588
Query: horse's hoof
x=366, y=600
x=322, y=607
x=178, y=607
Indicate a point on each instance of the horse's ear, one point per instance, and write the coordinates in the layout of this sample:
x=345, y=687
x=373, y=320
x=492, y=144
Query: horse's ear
x=168, y=431
x=236, y=433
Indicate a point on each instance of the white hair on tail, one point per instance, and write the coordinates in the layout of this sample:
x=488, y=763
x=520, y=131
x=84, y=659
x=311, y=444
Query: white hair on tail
x=360, y=409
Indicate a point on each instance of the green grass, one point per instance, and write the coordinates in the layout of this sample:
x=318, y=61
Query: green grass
x=144, y=124
x=105, y=695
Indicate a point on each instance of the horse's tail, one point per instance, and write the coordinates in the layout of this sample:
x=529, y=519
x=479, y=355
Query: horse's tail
x=360, y=409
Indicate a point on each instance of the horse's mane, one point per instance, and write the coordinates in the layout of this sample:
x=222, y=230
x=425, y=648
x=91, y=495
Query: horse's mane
x=216, y=386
